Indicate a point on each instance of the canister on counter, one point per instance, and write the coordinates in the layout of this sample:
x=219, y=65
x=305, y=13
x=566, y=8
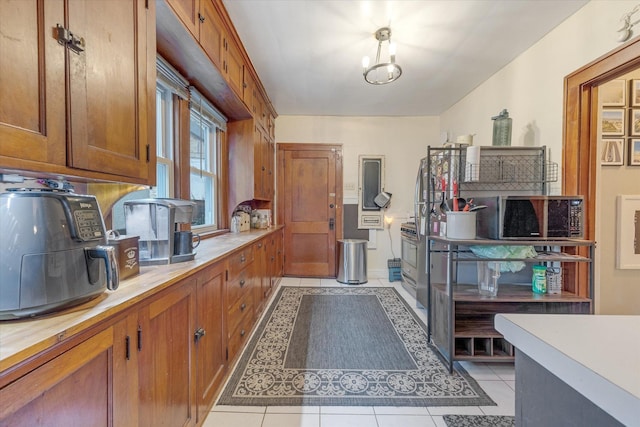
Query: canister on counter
x=539, y=279
x=127, y=253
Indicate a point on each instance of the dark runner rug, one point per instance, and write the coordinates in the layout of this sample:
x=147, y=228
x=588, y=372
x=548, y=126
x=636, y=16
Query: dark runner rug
x=479, y=421
x=345, y=347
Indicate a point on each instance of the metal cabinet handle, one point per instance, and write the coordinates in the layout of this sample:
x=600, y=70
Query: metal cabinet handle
x=243, y=306
x=242, y=332
x=199, y=333
x=242, y=282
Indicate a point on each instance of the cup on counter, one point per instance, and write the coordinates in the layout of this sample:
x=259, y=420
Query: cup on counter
x=488, y=275
x=183, y=242
x=461, y=225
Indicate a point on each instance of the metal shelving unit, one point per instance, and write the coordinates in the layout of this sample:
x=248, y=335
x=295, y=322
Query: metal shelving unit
x=461, y=321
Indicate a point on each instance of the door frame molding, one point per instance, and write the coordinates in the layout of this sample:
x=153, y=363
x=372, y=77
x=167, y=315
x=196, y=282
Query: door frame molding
x=579, y=133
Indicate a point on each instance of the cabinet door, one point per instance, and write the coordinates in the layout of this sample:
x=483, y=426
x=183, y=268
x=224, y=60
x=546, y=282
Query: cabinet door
x=233, y=66
x=73, y=389
x=109, y=86
x=258, y=162
x=32, y=104
x=212, y=33
x=187, y=11
x=166, y=368
x=210, y=336
x=248, y=89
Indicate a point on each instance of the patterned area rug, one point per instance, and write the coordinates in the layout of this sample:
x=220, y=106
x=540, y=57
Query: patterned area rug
x=479, y=421
x=345, y=346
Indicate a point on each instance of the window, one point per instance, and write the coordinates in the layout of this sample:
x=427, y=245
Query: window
x=164, y=142
x=204, y=147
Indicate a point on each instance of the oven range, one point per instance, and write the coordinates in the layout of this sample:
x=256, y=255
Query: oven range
x=413, y=257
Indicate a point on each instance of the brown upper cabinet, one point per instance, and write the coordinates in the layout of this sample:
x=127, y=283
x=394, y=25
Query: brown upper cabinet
x=78, y=89
x=205, y=23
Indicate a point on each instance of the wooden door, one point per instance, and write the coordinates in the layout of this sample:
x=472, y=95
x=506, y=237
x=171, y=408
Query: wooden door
x=310, y=207
x=210, y=336
x=166, y=368
x=111, y=83
x=73, y=389
x=32, y=104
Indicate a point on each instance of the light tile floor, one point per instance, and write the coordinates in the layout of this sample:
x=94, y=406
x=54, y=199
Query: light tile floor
x=497, y=380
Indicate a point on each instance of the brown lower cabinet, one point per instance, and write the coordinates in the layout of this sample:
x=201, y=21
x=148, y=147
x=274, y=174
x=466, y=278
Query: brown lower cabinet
x=159, y=363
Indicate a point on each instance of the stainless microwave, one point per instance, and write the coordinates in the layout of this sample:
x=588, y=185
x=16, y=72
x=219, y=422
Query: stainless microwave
x=531, y=217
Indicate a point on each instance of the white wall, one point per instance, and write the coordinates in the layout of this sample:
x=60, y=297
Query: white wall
x=531, y=88
x=402, y=140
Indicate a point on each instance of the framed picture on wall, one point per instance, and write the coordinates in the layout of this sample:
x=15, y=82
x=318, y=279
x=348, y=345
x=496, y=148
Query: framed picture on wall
x=634, y=122
x=612, y=121
x=614, y=93
x=612, y=153
x=635, y=93
x=628, y=232
x=634, y=152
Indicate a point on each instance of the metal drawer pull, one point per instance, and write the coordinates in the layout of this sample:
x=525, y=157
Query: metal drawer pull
x=243, y=306
x=242, y=258
x=242, y=282
x=242, y=332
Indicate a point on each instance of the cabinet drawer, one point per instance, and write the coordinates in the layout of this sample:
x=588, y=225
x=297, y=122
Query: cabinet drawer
x=240, y=260
x=238, y=337
x=240, y=286
x=241, y=309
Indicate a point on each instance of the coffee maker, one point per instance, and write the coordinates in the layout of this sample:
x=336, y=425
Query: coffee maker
x=157, y=222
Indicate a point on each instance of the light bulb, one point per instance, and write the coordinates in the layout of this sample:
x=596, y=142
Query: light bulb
x=388, y=220
x=365, y=62
x=392, y=48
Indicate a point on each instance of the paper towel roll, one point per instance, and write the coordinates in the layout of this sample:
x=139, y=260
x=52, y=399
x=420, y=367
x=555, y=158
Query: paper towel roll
x=472, y=165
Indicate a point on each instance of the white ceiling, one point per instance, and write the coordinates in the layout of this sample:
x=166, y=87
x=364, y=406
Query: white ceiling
x=308, y=53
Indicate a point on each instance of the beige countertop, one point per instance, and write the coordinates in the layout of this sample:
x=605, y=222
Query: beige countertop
x=21, y=339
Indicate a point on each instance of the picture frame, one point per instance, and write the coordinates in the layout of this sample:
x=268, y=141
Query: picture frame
x=614, y=93
x=612, y=121
x=628, y=244
x=634, y=152
x=635, y=93
x=612, y=152
x=634, y=122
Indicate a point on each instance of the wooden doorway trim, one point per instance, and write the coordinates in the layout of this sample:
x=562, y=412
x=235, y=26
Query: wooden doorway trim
x=580, y=138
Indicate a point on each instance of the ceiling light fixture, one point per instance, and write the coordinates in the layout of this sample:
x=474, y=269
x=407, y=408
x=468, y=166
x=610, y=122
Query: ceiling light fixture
x=382, y=73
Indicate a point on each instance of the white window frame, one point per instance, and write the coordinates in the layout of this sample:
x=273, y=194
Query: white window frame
x=165, y=143
x=206, y=114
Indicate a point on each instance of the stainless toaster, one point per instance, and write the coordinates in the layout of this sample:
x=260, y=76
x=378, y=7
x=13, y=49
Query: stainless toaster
x=53, y=252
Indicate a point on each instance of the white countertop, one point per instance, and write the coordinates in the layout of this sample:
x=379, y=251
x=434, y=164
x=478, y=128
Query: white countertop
x=597, y=355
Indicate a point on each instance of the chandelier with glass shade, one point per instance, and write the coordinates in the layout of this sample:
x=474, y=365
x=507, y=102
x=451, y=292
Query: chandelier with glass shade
x=381, y=73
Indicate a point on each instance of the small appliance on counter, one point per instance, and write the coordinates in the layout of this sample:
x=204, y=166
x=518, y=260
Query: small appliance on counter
x=53, y=252
x=157, y=222
x=126, y=253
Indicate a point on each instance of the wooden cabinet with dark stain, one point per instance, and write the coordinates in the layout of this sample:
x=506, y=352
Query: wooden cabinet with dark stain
x=68, y=106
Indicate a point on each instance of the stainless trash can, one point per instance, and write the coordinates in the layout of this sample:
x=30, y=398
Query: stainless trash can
x=352, y=261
